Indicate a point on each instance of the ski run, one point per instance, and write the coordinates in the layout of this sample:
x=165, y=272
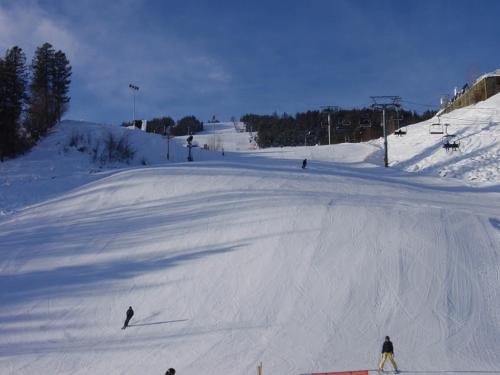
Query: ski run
x=246, y=258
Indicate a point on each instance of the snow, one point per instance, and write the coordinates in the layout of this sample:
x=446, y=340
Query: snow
x=476, y=127
x=54, y=166
x=234, y=260
x=227, y=136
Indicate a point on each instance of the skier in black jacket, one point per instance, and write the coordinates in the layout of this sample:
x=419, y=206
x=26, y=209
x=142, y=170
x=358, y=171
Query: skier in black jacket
x=388, y=352
x=170, y=371
x=130, y=314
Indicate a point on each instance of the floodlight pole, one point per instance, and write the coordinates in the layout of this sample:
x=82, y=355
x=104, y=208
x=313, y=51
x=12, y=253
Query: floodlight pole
x=384, y=102
x=134, y=88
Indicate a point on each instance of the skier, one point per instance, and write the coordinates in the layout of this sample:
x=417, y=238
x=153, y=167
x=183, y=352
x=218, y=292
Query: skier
x=130, y=314
x=304, y=163
x=388, y=352
x=170, y=371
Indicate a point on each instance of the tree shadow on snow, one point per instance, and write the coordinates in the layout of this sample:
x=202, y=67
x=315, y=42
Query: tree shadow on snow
x=80, y=280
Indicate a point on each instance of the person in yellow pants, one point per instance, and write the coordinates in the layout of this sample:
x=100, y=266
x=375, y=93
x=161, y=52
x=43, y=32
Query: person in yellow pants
x=388, y=352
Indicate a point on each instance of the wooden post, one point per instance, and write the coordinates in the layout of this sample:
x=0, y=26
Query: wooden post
x=259, y=369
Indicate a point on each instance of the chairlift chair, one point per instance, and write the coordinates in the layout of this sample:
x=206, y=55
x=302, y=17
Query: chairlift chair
x=436, y=128
x=365, y=123
x=401, y=131
x=346, y=123
x=449, y=143
x=343, y=125
x=453, y=146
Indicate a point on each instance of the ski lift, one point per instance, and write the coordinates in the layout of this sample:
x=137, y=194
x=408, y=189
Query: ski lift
x=401, y=128
x=343, y=125
x=401, y=131
x=450, y=143
x=365, y=122
x=437, y=127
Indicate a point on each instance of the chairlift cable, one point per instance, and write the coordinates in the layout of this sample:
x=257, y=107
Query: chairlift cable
x=419, y=104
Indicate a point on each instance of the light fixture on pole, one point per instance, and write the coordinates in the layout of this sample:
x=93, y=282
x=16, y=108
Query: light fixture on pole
x=134, y=88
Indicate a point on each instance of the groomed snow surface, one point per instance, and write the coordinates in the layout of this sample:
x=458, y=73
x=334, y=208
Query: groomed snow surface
x=234, y=260
x=476, y=128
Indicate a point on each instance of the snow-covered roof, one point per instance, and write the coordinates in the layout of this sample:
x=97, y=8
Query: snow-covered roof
x=494, y=73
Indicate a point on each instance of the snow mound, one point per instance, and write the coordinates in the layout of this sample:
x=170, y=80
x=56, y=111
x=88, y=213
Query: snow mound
x=74, y=153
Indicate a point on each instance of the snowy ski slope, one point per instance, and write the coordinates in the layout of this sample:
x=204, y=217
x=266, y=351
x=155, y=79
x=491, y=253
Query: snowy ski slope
x=226, y=136
x=246, y=258
x=476, y=128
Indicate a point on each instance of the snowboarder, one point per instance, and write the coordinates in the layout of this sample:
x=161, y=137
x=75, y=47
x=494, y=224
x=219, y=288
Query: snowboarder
x=304, y=163
x=170, y=371
x=130, y=314
x=388, y=352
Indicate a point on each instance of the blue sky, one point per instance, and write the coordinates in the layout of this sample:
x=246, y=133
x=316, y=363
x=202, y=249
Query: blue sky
x=228, y=58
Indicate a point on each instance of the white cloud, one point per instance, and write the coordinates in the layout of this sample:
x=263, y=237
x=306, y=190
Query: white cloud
x=106, y=54
x=26, y=24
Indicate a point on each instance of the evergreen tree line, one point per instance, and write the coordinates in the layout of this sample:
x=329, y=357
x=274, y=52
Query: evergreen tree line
x=32, y=99
x=163, y=125
x=311, y=127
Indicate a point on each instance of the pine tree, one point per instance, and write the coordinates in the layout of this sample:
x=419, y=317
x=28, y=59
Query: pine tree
x=13, y=81
x=42, y=105
x=61, y=82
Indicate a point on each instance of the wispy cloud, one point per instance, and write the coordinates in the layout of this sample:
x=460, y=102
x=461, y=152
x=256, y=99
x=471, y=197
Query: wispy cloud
x=107, y=53
x=27, y=25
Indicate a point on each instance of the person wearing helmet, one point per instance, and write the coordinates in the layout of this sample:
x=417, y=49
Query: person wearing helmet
x=388, y=353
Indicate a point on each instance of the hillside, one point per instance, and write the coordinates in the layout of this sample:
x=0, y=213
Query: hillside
x=244, y=258
x=476, y=128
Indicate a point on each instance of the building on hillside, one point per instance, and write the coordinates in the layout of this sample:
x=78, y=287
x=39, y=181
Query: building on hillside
x=483, y=88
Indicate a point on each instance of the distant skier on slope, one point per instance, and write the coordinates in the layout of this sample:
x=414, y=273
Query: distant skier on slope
x=304, y=164
x=387, y=352
x=130, y=314
x=170, y=371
